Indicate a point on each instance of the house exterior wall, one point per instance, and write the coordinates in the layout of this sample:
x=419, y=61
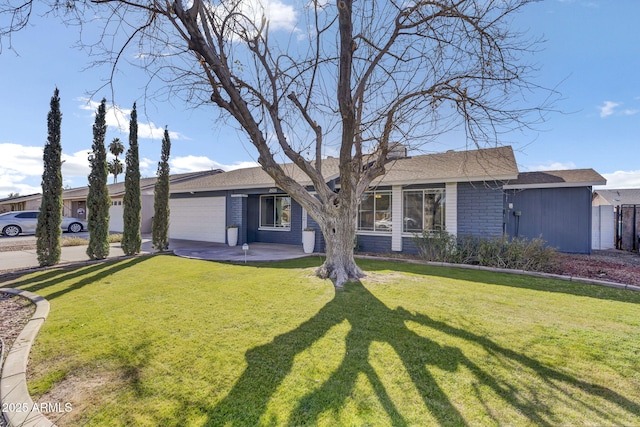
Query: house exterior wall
x=237, y=215
x=561, y=216
x=20, y=205
x=320, y=244
x=291, y=236
x=480, y=209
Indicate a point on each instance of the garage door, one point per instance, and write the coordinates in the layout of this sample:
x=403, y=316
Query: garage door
x=198, y=218
x=116, y=211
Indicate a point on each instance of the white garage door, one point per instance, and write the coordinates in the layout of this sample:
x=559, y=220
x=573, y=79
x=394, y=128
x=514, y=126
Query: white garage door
x=198, y=218
x=116, y=222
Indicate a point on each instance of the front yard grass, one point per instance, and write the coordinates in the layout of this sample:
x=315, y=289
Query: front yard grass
x=174, y=342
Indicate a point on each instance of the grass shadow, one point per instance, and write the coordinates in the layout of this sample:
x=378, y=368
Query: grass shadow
x=371, y=321
x=89, y=275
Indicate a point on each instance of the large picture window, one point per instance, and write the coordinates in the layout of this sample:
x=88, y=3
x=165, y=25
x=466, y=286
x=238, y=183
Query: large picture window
x=423, y=210
x=275, y=211
x=374, y=213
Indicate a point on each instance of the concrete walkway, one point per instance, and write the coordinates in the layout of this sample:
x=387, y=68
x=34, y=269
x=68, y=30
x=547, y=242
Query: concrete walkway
x=258, y=252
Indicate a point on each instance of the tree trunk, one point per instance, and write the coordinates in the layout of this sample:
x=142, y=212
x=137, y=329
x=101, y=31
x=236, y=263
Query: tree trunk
x=338, y=227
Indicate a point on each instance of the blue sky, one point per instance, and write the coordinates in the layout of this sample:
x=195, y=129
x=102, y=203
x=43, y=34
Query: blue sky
x=591, y=54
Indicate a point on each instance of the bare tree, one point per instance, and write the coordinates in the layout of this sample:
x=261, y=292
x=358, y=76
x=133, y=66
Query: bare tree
x=349, y=79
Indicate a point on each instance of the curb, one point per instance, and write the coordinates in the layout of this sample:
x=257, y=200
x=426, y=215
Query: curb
x=18, y=408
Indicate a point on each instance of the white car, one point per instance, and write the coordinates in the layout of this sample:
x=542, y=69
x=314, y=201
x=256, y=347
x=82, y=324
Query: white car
x=16, y=222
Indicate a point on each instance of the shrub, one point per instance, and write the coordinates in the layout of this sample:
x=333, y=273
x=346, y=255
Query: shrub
x=115, y=238
x=73, y=241
x=500, y=252
x=437, y=246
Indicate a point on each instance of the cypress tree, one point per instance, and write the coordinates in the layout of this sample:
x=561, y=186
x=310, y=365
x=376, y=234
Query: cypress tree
x=50, y=217
x=98, y=200
x=160, y=225
x=131, y=240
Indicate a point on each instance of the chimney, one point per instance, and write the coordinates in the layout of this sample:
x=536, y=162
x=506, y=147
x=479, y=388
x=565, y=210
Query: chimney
x=397, y=151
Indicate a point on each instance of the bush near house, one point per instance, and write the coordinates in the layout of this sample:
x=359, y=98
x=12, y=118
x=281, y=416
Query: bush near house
x=501, y=252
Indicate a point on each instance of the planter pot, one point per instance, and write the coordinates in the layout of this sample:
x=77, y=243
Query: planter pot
x=232, y=236
x=308, y=241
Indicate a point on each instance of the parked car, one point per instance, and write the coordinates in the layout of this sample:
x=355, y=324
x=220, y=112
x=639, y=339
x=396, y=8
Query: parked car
x=16, y=222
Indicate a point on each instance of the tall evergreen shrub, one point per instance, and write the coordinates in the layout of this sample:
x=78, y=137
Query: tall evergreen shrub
x=131, y=240
x=98, y=200
x=50, y=218
x=160, y=226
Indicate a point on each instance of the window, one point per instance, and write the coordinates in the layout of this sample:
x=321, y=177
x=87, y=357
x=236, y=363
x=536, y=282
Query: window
x=28, y=215
x=423, y=210
x=374, y=213
x=275, y=212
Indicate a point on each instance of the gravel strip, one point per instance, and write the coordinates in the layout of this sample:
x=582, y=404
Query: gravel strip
x=15, y=312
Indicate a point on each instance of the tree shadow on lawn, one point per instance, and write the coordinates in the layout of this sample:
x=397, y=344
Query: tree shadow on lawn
x=478, y=276
x=371, y=321
x=89, y=275
x=508, y=279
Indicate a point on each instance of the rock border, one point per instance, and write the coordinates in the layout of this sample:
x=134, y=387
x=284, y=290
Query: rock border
x=18, y=408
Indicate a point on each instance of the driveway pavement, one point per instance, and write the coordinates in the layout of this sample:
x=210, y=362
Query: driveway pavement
x=258, y=252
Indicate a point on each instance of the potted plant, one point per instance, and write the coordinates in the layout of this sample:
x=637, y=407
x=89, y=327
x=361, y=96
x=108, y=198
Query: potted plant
x=308, y=240
x=232, y=234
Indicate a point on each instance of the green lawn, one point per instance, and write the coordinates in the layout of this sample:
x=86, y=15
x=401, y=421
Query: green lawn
x=175, y=342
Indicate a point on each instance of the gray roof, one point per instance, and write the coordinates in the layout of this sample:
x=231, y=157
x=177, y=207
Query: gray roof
x=489, y=164
x=555, y=179
x=620, y=197
x=117, y=189
x=24, y=198
x=453, y=166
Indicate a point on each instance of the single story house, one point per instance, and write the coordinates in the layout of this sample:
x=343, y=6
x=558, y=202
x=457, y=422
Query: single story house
x=74, y=200
x=21, y=203
x=478, y=192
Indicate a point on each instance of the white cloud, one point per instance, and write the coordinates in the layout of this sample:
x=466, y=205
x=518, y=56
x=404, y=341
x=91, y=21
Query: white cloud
x=118, y=118
x=623, y=179
x=550, y=166
x=21, y=168
x=76, y=164
x=248, y=13
x=21, y=159
x=608, y=108
x=279, y=15
x=200, y=163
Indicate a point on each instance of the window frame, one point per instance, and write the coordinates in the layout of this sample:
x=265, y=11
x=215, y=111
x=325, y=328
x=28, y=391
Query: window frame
x=382, y=230
x=424, y=192
x=274, y=227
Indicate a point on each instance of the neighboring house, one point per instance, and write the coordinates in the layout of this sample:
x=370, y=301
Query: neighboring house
x=620, y=197
x=74, y=200
x=465, y=193
x=21, y=203
x=616, y=218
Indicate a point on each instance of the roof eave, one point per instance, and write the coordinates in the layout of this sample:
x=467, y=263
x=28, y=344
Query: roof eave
x=553, y=185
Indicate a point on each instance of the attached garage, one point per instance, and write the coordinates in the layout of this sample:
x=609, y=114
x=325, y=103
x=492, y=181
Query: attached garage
x=198, y=218
x=116, y=222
